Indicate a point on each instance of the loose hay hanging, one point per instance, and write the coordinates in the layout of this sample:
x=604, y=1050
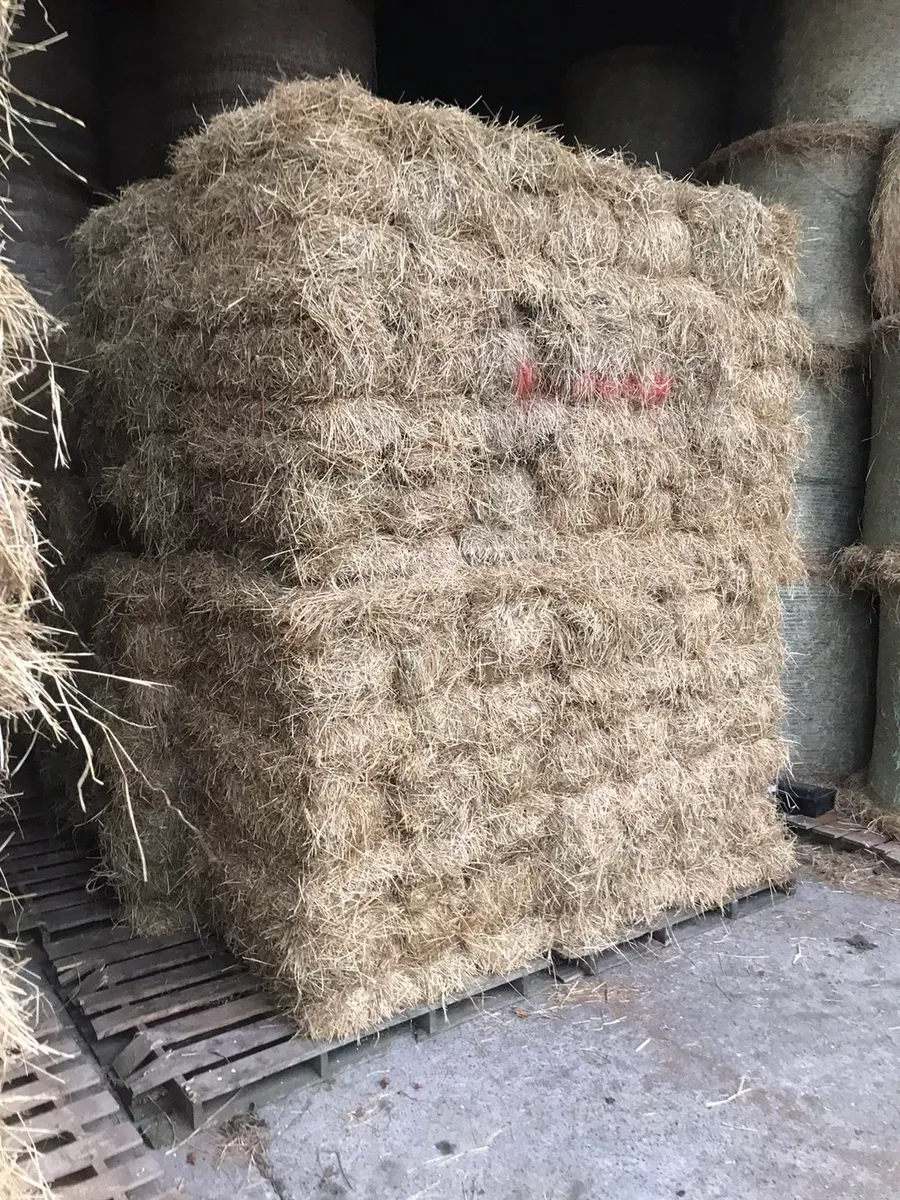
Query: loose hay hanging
x=467, y=613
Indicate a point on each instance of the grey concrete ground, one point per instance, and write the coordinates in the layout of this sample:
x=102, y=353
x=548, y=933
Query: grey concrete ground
x=752, y=1060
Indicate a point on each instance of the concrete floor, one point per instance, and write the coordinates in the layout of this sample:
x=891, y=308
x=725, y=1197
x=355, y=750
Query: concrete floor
x=752, y=1060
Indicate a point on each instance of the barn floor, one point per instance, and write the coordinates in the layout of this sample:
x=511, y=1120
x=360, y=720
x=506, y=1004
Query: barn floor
x=748, y=1061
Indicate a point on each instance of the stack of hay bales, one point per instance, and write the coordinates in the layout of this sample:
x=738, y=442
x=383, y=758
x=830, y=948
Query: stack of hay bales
x=462, y=465
x=874, y=564
x=826, y=172
x=665, y=105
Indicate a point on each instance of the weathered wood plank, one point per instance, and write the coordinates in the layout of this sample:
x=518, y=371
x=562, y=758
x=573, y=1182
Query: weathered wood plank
x=147, y=987
x=61, y=920
x=221, y=1048
x=117, y=1182
x=53, y=1087
x=122, y=969
x=131, y=1015
x=97, y=1147
x=117, y=944
x=184, y=1028
x=70, y=1118
x=246, y=1071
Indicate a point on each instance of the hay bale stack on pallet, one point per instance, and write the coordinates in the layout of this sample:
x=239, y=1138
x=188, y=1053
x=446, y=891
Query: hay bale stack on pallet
x=665, y=105
x=874, y=564
x=462, y=463
x=826, y=173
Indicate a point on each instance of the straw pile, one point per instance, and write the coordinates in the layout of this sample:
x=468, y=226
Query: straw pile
x=464, y=464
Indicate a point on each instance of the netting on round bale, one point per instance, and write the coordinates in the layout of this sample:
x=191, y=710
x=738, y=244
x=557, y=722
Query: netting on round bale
x=830, y=483
x=831, y=637
x=826, y=173
x=217, y=54
x=465, y=464
x=818, y=60
x=665, y=105
x=881, y=519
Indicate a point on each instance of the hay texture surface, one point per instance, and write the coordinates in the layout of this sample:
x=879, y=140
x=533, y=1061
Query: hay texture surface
x=469, y=461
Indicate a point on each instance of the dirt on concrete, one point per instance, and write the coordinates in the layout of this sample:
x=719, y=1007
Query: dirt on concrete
x=752, y=1059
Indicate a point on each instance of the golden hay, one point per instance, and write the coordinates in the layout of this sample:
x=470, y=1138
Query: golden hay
x=468, y=458
x=235, y=399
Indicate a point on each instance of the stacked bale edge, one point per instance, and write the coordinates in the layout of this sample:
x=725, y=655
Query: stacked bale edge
x=827, y=173
x=467, y=462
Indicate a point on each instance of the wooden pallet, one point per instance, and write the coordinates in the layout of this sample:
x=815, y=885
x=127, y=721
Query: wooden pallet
x=59, y=1103
x=846, y=835
x=181, y=1024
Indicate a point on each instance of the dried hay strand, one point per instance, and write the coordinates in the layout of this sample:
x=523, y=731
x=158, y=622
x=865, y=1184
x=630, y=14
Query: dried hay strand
x=465, y=464
x=869, y=569
x=885, y=223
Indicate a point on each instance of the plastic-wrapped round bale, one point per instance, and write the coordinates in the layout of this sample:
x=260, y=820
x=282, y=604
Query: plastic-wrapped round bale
x=819, y=60
x=830, y=482
x=219, y=54
x=828, y=679
x=827, y=174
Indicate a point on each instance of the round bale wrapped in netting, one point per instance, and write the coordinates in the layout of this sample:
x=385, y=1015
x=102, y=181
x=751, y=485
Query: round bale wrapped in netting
x=461, y=462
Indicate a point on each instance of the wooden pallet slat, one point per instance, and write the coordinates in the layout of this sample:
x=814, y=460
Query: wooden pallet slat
x=63, y=919
x=90, y=1151
x=147, y=987
x=37, y=906
x=59, y=871
x=131, y=1015
x=71, y=1118
x=204, y=1021
x=116, y=1182
x=80, y=944
x=118, y=945
x=123, y=969
x=50, y=1088
x=55, y=886
x=213, y=1051
x=233, y=1077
